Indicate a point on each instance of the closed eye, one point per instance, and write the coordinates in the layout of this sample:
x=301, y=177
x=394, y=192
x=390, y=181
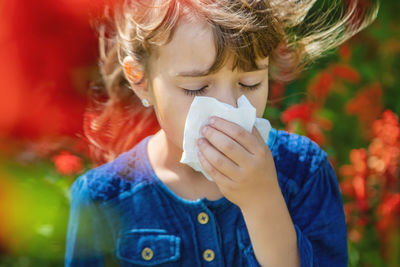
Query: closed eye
x=203, y=90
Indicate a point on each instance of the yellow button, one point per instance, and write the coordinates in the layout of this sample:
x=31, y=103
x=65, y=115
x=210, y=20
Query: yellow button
x=202, y=218
x=147, y=254
x=208, y=255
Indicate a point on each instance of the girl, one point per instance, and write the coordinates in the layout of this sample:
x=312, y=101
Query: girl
x=274, y=203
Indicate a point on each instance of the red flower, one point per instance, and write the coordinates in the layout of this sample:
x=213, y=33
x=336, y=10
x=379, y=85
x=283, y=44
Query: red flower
x=301, y=112
x=385, y=147
x=67, y=164
x=346, y=187
x=388, y=211
x=303, y=118
x=314, y=132
x=375, y=173
x=359, y=171
x=359, y=185
x=390, y=204
x=276, y=92
x=363, y=220
x=367, y=105
x=387, y=128
x=347, y=170
x=358, y=158
x=345, y=51
x=346, y=72
x=321, y=85
x=349, y=209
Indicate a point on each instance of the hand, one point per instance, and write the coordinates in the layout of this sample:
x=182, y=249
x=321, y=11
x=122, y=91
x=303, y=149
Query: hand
x=240, y=162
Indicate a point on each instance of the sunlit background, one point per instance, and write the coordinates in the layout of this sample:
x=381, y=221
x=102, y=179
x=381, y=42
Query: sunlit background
x=348, y=102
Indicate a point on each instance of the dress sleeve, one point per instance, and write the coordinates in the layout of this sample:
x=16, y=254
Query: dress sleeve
x=318, y=216
x=86, y=240
x=319, y=219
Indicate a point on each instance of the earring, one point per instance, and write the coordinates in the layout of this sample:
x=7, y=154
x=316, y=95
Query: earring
x=145, y=102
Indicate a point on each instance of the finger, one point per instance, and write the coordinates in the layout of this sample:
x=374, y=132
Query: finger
x=229, y=147
x=219, y=178
x=257, y=134
x=218, y=160
x=262, y=147
x=236, y=132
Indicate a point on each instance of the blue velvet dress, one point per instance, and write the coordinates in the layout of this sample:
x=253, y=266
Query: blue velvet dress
x=122, y=214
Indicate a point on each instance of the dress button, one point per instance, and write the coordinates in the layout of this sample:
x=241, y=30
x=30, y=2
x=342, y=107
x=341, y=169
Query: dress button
x=147, y=254
x=202, y=218
x=208, y=255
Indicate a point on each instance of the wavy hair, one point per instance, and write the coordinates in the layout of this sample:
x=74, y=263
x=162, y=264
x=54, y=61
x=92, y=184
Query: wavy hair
x=292, y=33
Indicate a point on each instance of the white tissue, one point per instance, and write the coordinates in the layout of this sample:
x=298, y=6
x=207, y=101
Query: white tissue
x=201, y=109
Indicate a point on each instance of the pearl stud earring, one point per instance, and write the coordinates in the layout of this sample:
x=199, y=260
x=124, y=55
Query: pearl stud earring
x=145, y=102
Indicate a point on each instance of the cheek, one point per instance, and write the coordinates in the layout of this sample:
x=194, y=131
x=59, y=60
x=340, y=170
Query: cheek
x=171, y=110
x=259, y=101
x=175, y=121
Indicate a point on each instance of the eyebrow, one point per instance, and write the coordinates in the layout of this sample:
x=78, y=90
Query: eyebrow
x=203, y=73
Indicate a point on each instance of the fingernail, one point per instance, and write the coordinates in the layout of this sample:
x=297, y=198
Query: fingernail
x=204, y=130
x=212, y=121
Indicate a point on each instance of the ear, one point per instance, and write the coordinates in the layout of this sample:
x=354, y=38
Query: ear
x=135, y=76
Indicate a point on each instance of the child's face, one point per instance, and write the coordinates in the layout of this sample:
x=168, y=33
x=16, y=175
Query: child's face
x=192, y=48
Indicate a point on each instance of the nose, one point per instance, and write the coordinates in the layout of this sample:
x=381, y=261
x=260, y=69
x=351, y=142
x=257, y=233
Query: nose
x=227, y=95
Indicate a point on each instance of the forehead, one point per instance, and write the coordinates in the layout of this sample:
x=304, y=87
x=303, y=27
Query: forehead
x=192, y=44
x=193, y=48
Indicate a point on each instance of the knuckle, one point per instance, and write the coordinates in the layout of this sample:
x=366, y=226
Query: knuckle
x=213, y=171
x=219, y=161
x=240, y=132
x=228, y=146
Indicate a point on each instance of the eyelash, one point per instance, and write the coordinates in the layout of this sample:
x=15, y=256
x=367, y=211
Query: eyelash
x=203, y=90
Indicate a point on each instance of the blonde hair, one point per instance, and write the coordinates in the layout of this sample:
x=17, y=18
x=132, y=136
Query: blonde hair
x=292, y=33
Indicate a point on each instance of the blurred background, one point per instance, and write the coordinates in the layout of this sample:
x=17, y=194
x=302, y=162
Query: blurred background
x=348, y=102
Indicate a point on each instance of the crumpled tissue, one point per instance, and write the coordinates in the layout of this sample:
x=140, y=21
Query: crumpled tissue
x=201, y=109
